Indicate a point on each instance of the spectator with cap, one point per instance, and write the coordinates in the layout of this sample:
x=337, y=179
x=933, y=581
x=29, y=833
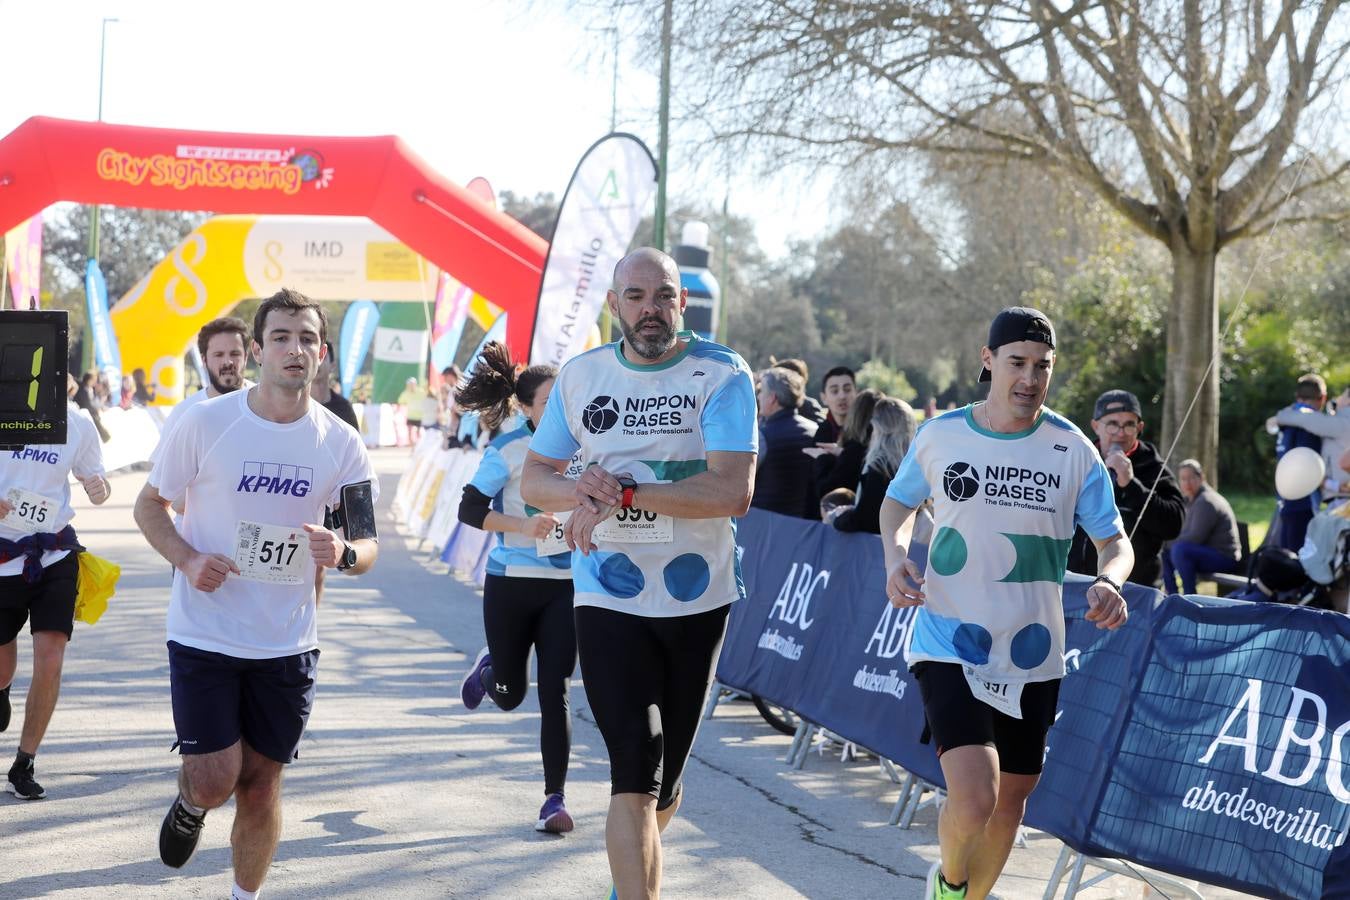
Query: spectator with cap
x=1209, y=535
x=1138, y=469
x=783, y=476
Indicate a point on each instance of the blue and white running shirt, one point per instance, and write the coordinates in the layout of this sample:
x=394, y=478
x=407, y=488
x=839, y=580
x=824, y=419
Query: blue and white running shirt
x=498, y=477
x=1004, y=509
x=657, y=424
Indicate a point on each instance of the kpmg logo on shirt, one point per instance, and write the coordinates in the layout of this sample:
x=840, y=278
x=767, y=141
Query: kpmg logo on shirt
x=38, y=454
x=961, y=481
x=275, y=478
x=600, y=415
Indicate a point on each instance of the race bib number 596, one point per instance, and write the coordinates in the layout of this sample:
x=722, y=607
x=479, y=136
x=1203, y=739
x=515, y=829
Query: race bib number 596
x=636, y=526
x=276, y=554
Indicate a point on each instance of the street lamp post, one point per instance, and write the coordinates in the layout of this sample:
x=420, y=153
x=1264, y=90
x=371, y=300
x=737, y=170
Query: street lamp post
x=659, y=226
x=102, y=54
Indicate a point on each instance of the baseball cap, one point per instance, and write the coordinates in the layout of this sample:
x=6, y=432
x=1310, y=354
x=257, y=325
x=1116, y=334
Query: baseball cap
x=1018, y=323
x=1117, y=401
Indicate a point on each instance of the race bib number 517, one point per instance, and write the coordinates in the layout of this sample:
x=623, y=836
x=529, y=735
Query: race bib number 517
x=277, y=554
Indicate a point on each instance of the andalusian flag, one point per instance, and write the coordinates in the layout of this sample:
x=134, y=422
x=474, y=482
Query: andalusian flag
x=400, y=349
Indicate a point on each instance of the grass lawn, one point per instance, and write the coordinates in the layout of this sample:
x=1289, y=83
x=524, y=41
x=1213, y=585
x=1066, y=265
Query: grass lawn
x=1255, y=509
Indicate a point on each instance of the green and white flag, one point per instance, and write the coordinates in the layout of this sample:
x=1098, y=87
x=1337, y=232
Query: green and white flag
x=399, y=350
x=610, y=190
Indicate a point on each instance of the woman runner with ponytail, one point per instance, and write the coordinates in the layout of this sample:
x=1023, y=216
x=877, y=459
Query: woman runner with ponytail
x=527, y=598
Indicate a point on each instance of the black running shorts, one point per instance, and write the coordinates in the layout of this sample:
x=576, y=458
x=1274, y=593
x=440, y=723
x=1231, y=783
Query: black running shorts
x=218, y=699
x=957, y=719
x=646, y=681
x=47, y=604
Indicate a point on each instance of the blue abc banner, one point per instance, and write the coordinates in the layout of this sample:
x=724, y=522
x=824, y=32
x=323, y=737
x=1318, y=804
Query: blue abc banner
x=1226, y=757
x=817, y=635
x=1205, y=738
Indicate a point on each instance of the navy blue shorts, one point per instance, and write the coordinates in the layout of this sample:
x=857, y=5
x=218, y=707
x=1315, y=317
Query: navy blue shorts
x=218, y=699
x=47, y=605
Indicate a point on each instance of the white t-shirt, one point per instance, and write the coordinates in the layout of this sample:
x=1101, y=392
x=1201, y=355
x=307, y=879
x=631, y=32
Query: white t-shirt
x=1004, y=511
x=658, y=424
x=176, y=415
x=44, y=470
x=234, y=467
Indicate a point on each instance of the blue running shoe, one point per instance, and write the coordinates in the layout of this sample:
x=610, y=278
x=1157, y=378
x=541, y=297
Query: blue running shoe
x=472, y=690
x=554, y=817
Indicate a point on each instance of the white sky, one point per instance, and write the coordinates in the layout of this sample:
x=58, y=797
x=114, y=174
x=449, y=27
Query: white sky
x=502, y=89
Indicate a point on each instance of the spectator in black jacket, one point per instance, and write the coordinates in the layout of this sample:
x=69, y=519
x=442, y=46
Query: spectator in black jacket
x=893, y=427
x=322, y=390
x=809, y=408
x=841, y=465
x=1136, y=467
x=783, y=476
x=837, y=391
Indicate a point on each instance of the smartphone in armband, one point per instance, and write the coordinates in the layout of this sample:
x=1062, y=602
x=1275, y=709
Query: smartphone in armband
x=357, y=512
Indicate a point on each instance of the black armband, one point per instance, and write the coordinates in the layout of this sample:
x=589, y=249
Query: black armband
x=474, y=507
x=356, y=513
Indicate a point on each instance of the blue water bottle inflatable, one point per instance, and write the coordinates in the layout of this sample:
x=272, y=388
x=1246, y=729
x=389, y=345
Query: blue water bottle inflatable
x=692, y=255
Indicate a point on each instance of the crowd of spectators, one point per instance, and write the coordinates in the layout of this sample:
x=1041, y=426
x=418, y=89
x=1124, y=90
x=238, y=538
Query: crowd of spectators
x=829, y=460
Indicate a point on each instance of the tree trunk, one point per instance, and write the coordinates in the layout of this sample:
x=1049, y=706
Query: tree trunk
x=1192, y=341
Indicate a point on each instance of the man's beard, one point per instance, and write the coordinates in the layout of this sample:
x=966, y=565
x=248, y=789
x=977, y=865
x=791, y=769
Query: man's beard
x=653, y=348
x=221, y=388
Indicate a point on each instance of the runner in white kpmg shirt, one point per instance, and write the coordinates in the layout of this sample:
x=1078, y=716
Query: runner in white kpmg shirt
x=665, y=425
x=39, y=565
x=1009, y=480
x=256, y=470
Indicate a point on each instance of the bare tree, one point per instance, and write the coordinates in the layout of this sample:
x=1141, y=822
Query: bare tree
x=1197, y=120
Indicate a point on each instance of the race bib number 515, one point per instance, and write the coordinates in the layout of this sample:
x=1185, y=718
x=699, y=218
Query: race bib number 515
x=276, y=554
x=31, y=513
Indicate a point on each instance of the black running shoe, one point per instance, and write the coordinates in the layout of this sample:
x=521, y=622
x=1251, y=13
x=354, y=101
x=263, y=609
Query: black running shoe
x=4, y=708
x=21, y=783
x=179, y=834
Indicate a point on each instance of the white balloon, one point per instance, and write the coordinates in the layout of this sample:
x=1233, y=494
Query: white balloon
x=1299, y=473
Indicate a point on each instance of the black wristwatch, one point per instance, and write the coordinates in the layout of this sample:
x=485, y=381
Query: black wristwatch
x=348, y=558
x=1106, y=578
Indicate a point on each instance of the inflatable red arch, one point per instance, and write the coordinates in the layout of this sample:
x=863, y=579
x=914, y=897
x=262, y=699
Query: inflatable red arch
x=47, y=160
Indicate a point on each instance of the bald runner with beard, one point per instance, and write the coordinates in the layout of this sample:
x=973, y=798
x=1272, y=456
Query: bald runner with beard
x=662, y=427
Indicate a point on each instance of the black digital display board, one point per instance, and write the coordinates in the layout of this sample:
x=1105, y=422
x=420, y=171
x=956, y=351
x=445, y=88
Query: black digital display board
x=33, y=348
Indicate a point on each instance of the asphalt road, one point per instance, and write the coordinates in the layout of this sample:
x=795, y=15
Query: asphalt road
x=401, y=792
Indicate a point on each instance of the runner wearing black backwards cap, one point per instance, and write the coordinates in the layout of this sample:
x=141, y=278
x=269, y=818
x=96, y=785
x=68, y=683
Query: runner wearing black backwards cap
x=1009, y=480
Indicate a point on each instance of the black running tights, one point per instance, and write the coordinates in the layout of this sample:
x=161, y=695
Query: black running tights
x=524, y=613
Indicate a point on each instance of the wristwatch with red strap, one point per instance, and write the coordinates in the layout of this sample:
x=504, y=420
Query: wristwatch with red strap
x=629, y=488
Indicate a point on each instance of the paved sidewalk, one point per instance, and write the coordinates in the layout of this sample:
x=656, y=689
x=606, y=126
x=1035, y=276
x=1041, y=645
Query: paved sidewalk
x=400, y=792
